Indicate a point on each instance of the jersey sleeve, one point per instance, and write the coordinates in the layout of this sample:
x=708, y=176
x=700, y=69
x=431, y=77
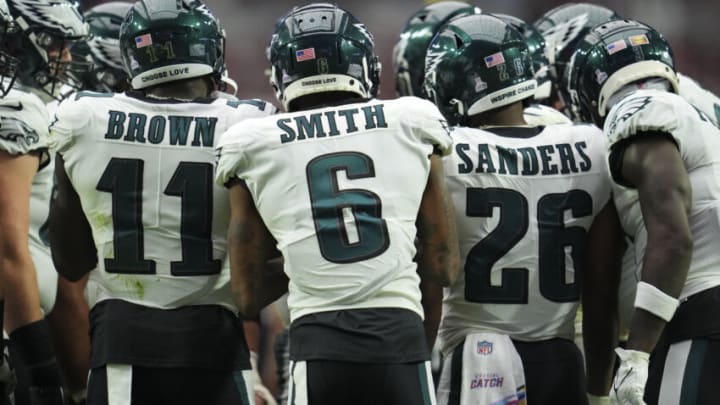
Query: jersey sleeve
x=654, y=111
x=23, y=125
x=427, y=123
x=251, y=108
x=230, y=153
x=69, y=122
x=651, y=111
x=538, y=114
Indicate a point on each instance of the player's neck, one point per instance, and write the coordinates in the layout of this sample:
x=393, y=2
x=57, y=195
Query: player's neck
x=507, y=116
x=324, y=99
x=190, y=89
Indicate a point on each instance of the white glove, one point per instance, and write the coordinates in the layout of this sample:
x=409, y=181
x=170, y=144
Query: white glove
x=629, y=384
x=258, y=387
x=595, y=400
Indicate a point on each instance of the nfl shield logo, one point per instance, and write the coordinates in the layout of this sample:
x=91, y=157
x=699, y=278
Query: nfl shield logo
x=484, y=347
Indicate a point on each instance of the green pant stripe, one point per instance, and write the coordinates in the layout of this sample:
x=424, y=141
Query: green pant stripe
x=291, y=401
x=242, y=388
x=422, y=373
x=693, y=371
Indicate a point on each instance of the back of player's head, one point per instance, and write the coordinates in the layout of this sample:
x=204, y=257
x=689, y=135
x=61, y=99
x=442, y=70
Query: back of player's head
x=102, y=49
x=163, y=41
x=36, y=42
x=321, y=48
x=564, y=26
x=411, y=47
x=538, y=53
x=476, y=64
x=612, y=56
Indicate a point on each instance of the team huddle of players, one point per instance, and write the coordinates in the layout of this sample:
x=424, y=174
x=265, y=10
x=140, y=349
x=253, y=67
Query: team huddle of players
x=524, y=169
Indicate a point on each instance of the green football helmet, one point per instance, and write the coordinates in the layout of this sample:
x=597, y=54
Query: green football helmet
x=43, y=31
x=538, y=52
x=322, y=48
x=102, y=50
x=610, y=57
x=563, y=27
x=8, y=63
x=475, y=64
x=410, y=49
x=169, y=40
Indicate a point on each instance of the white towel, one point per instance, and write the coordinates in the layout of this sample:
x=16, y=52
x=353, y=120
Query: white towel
x=492, y=373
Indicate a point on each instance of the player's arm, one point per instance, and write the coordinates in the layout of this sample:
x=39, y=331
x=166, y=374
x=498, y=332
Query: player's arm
x=432, y=295
x=652, y=164
x=73, y=248
x=17, y=273
x=600, y=298
x=438, y=254
x=29, y=333
x=256, y=276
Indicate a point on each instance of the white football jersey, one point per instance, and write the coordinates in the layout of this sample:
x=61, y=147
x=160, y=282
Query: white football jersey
x=539, y=114
x=698, y=140
x=24, y=122
x=702, y=99
x=340, y=188
x=524, y=199
x=143, y=169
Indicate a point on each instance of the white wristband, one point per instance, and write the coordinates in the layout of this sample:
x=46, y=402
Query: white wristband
x=595, y=400
x=651, y=299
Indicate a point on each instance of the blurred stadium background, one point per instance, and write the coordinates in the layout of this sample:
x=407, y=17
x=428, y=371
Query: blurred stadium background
x=691, y=26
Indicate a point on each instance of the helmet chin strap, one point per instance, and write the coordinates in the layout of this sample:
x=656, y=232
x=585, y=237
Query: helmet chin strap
x=654, y=83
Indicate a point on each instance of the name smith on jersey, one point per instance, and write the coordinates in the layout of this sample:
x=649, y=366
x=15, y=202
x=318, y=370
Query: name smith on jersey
x=331, y=123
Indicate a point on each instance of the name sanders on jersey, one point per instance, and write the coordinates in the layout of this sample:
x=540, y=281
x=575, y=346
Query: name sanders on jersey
x=308, y=126
x=561, y=158
x=134, y=127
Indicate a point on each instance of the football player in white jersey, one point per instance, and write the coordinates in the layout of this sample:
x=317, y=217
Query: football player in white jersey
x=136, y=201
x=664, y=162
x=97, y=66
x=535, y=227
x=342, y=184
x=35, y=60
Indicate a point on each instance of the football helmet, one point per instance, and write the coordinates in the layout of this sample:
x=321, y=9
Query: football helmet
x=322, y=48
x=538, y=52
x=101, y=51
x=168, y=40
x=409, y=52
x=563, y=27
x=8, y=62
x=612, y=56
x=475, y=64
x=44, y=31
